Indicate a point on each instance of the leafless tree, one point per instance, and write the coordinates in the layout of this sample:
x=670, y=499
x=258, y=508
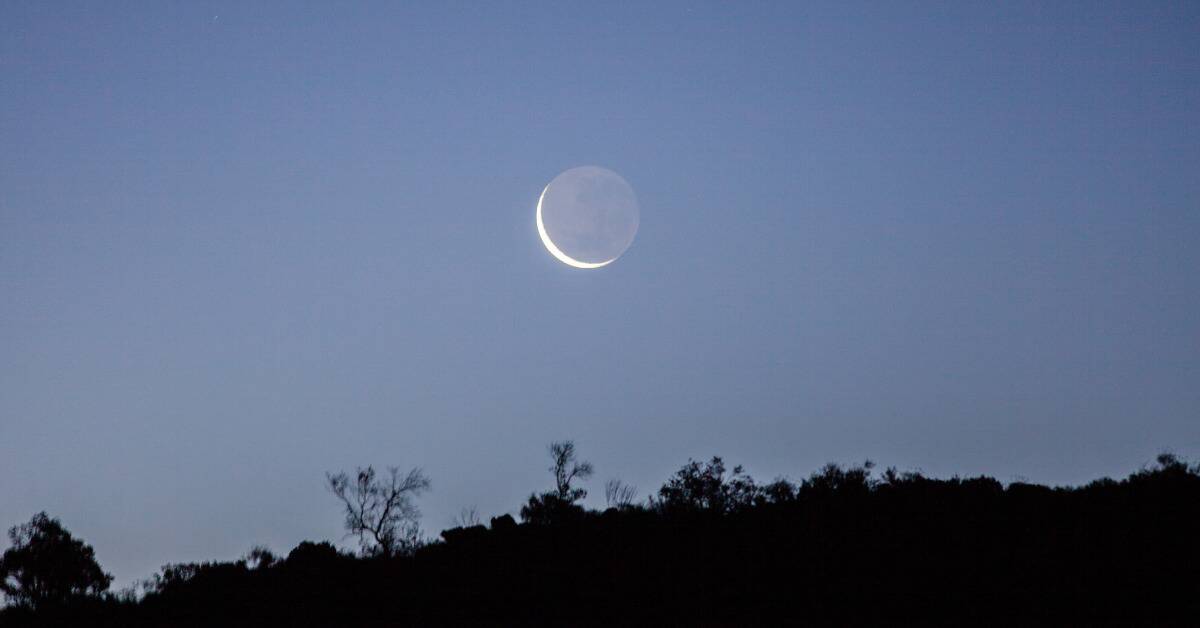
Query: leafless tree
x=618, y=494
x=466, y=517
x=567, y=469
x=380, y=510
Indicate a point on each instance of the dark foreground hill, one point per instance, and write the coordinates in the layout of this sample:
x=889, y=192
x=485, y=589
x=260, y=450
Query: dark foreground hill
x=838, y=548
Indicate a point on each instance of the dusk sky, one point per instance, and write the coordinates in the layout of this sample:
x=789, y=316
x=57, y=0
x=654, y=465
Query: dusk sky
x=243, y=244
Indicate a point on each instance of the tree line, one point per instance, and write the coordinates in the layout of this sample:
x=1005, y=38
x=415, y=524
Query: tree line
x=711, y=546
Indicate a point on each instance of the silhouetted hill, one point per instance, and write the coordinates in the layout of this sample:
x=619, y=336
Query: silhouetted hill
x=837, y=548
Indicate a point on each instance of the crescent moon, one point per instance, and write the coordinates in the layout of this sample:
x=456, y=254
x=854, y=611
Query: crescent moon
x=554, y=250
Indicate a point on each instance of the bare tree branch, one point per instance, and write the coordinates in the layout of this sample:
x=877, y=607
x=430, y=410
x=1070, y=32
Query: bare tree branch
x=466, y=517
x=566, y=470
x=618, y=494
x=380, y=511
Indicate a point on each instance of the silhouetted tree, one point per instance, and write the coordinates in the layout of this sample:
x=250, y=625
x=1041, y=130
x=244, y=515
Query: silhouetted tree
x=559, y=503
x=380, y=511
x=1170, y=465
x=567, y=469
x=618, y=494
x=697, y=487
x=47, y=566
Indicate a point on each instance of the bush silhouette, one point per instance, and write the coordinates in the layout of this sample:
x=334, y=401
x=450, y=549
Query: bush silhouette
x=705, y=488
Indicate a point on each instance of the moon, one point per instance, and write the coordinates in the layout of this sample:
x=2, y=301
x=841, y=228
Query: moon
x=587, y=217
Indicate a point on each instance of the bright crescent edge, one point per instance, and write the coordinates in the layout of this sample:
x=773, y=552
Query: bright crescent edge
x=562, y=257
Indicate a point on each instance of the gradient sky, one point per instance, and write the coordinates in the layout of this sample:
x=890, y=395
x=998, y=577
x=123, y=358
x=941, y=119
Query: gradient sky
x=241, y=246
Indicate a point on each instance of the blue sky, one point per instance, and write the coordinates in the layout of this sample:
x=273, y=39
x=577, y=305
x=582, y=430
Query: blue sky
x=241, y=246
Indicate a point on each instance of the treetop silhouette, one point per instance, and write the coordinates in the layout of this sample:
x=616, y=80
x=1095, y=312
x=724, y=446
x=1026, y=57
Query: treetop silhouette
x=47, y=566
